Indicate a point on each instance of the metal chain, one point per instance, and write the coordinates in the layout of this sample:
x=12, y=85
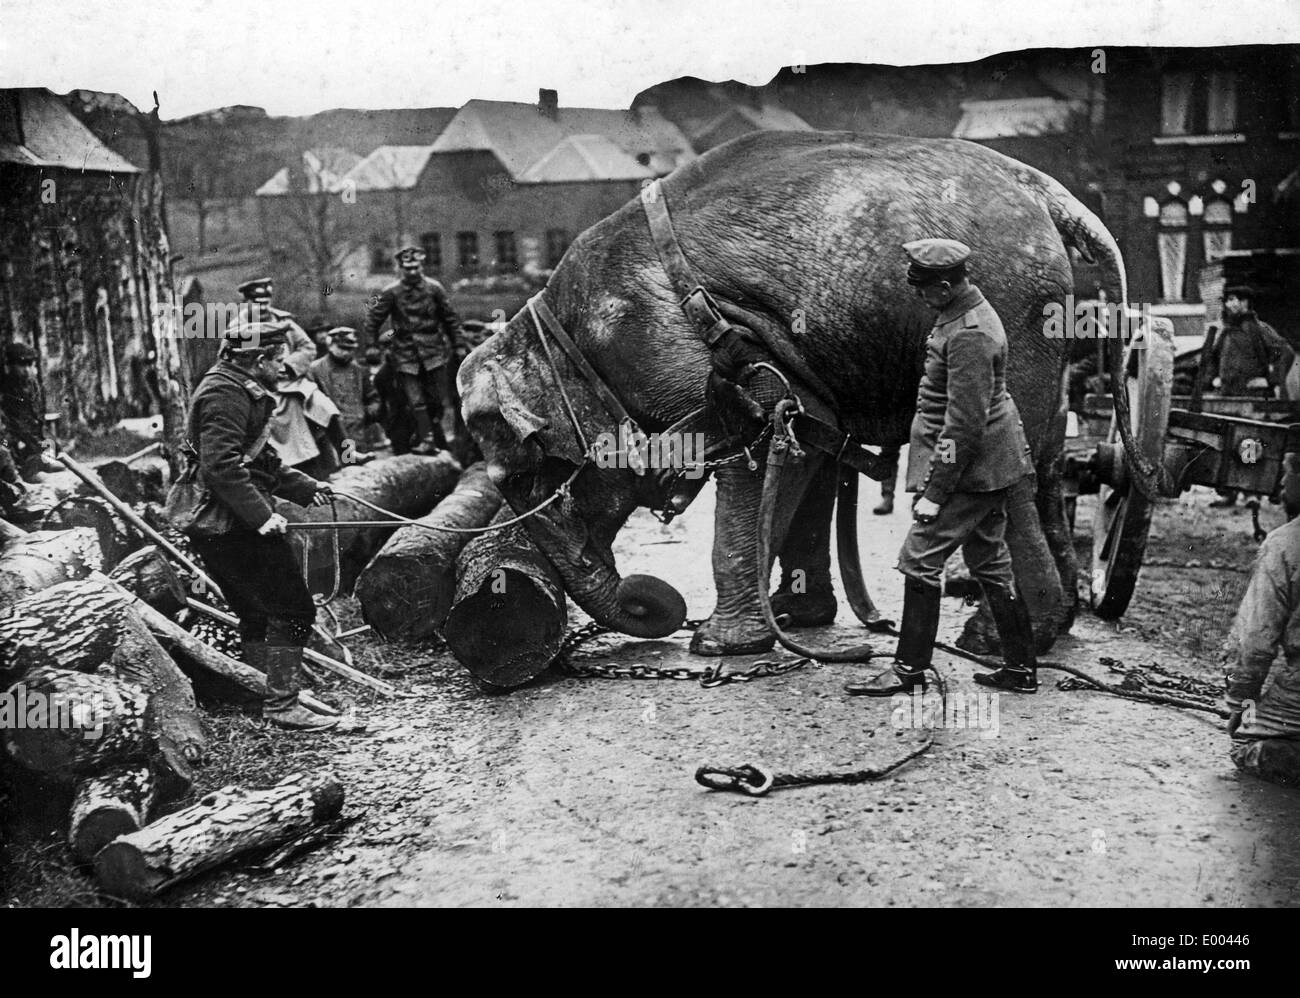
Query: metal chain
x=708, y=677
x=756, y=781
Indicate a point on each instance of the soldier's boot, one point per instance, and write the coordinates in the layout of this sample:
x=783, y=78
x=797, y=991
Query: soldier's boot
x=253, y=653
x=886, y=504
x=915, y=645
x=424, y=428
x=283, y=681
x=1010, y=612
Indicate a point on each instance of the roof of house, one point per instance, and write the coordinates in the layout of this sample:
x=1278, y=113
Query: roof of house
x=1014, y=116
x=768, y=118
x=585, y=157
x=611, y=144
x=390, y=168
x=323, y=170
x=37, y=129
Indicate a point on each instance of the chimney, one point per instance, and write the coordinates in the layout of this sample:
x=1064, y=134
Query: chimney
x=548, y=103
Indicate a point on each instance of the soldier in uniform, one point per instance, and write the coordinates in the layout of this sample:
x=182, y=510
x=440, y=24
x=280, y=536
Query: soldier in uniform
x=425, y=332
x=967, y=447
x=256, y=307
x=237, y=533
x=23, y=405
x=347, y=383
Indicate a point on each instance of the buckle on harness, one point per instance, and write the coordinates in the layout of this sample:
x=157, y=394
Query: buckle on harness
x=703, y=313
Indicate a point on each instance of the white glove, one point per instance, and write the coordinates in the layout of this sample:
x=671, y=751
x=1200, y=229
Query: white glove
x=925, y=510
x=275, y=525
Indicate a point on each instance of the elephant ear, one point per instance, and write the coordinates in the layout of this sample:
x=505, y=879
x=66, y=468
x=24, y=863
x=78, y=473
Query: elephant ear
x=555, y=435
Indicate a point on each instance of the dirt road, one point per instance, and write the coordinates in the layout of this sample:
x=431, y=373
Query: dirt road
x=581, y=792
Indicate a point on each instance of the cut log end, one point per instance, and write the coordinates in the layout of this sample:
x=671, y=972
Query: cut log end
x=506, y=638
x=106, y=806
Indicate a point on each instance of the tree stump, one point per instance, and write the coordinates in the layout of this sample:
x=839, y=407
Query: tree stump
x=115, y=802
x=508, y=620
x=44, y=558
x=408, y=485
x=219, y=827
x=407, y=589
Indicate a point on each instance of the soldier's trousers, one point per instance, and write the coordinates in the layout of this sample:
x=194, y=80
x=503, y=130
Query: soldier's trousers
x=262, y=581
x=428, y=389
x=973, y=521
x=1274, y=759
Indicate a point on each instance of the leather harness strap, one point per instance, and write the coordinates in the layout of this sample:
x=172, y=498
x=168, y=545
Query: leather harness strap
x=698, y=305
x=710, y=325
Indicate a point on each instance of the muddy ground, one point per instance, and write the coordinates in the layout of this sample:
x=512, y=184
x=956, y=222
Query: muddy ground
x=581, y=791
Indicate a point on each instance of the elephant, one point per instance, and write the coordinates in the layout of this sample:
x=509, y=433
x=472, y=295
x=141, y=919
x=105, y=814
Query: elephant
x=798, y=238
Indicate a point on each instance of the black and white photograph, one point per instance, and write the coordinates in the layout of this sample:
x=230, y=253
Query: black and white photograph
x=651, y=454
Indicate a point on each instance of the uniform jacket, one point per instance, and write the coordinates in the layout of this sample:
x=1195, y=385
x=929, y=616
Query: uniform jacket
x=350, y=388
x=302, y=351
x=425, y=326
x=228, y=413
x=966, y=435
x=1268, y=621
x=1246, y=348
x=24, y=409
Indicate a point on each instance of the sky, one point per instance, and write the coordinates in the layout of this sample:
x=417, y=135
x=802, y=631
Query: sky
x=302, y=56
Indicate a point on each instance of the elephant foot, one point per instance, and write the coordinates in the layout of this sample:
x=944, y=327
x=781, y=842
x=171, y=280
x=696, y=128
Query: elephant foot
x=980, y=635
x=717, y=636
x=810, y=609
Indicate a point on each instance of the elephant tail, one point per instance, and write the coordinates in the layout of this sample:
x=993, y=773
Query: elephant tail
x=1083, y=230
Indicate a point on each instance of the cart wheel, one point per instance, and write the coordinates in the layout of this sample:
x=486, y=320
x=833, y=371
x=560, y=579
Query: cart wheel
x=1123, y=516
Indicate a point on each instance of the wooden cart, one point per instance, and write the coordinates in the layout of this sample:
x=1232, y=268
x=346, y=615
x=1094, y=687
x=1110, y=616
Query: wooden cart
x=1225, y=443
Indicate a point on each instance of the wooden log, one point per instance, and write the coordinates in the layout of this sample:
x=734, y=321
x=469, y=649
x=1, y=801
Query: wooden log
x=212, y=673
x=115, y=802
x=44, y=558
x=9, y=533
x=407, y=589
x=222, y=825
x=68, y=725
x=149, y=576
x=71, y=625
x=173, y=715
x=116, y=537
x=131, y=485
x=409, y=485
x=508, y=620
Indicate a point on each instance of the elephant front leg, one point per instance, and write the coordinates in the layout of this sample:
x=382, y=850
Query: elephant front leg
x=736, y=626
x=806, y=595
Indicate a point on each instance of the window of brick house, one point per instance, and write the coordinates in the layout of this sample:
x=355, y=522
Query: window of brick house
x=1216, y=226
x=557, y=241
x=431, y=243
x=467, y=251
x=507, y=258
x=1172, y=245
x=1198, y=103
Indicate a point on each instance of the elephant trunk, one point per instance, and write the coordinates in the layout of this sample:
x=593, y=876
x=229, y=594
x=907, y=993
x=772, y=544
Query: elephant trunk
x=640, y=605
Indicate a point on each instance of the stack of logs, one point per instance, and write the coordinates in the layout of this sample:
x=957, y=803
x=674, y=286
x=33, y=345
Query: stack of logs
x=99, y=681
x=492, y=595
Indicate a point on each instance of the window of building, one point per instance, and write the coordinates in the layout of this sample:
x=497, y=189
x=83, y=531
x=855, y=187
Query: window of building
x=507, y=253
x=557, y=241
x=467, y=251
x=379, y=257
x=431, y=243
x=1217, y=228
x=1198, y=103
x=1172, y=244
